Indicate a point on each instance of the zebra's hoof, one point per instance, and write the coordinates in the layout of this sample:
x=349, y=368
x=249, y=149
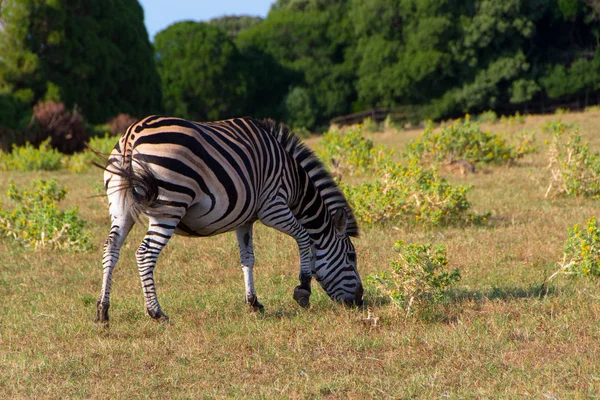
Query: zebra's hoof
x=159, y=316
x=302, y=297
x=253, y=302
x=102, y=316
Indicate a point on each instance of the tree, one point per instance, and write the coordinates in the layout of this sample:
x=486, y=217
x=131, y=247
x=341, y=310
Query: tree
x=93, y=54
x=198, y=64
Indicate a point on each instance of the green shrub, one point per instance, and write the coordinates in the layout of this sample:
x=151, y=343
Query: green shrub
x=410, y=194
x=36, y=220
x=29, y=158
x=561, y=111
x=594, y=108
x=369, y=125
x=352, y=153
x=582, y=248
x=513, y=119
x=575, y=170
x=417, y=278
x=489, y=116
x=79, y=162
x=464, y=140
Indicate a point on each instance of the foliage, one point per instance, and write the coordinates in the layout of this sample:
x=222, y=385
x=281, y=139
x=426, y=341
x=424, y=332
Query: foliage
x=410, y=194
x=30, y=158
x=97, y=147
x=575, y=170
x=96, y=55
x=65, y=130
x=36, y=220
x=417, y=278
x=198, y=65
x=299, y=108
x=234, y=24
x=488, y=116
x=464, y=139
x=515, y=119
x=353, y=154
x=582, y=249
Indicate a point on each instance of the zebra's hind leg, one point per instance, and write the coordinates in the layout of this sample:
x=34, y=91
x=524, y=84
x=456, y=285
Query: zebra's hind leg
x=278, y=215
x=244, y=237
x=118, y=232
x=159, y=233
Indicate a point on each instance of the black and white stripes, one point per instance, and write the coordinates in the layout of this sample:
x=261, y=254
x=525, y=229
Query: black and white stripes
x=203, y=179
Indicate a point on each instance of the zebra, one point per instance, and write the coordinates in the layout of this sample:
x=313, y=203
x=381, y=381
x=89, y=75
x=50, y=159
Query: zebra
x=203, y=179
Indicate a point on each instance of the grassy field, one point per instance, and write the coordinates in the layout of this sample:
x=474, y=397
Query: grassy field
x=500, y=335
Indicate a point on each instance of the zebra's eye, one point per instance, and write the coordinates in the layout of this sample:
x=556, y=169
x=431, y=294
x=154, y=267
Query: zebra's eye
x=351, y=257
x=139, y=192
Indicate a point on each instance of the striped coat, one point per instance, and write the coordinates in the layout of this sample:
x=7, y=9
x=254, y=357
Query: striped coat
x=203, y=179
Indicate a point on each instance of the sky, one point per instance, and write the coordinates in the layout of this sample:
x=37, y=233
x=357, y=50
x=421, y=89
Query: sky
x=159, y=14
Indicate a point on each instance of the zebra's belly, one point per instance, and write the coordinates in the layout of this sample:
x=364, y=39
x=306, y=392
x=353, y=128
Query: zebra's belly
x=203, y=219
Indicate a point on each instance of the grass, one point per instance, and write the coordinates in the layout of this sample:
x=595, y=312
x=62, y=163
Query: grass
x=499, y=335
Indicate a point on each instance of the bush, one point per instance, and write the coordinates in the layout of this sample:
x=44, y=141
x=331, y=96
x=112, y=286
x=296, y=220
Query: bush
x=119, y=124
x=79, y=162
x=352, y=153
x=583, y=249
x=575, y=171
x=489, y=116
x=410, y=194
x=417, y=278
x=29, y=158
x=513, y=119
x=465, y=140
x=65, y=130
x=36, y=220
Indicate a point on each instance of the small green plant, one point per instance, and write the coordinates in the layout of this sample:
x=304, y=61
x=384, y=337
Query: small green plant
x=561, y=111
x=410, y=194
x=594, y=108
x=417, y=279
x=582, y=251
x=369, y=125
x=352, y=153
x=80, y=162
x=557, y=125
x=29, y=158
x=36, y=220
x=464, y=139
x=489, y=116
x=513, y=119
x=575, y=170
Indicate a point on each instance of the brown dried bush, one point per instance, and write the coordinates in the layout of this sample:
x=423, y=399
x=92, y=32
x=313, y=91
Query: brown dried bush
x=120, y=123
x=65, y=129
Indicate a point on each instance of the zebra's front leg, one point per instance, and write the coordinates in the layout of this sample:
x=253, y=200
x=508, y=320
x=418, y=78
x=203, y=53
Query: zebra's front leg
x=147, y=254
x=244, y=237
x=278, y=215
x=118, y=232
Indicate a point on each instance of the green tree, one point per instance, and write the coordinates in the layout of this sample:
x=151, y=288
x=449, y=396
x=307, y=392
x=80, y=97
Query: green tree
x=234, y=24
x=96, y=55
x=198, y=65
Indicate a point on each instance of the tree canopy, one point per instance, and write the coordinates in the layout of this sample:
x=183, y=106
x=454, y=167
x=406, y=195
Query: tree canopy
x=307, y=61
x=95, y=55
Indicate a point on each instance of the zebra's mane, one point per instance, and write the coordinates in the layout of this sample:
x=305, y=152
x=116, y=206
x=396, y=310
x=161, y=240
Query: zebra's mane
x=328, y=189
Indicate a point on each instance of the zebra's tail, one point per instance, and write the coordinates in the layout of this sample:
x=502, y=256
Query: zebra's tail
x=138, y=184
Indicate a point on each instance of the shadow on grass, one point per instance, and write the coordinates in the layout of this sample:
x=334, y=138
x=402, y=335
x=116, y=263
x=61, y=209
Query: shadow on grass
x=454, y=302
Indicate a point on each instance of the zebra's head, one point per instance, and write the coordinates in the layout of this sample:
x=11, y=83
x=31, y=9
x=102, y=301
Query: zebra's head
x=335, y=265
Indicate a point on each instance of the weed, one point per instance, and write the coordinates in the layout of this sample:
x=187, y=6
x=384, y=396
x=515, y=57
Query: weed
x=464, y=139
x=575, y=170
x=36, y=220
x=352, y=153
x=417, y=279
x=412, y=194
x=29, y=158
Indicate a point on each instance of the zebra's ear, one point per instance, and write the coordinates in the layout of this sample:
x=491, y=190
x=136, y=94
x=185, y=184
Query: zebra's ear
x=340, y=218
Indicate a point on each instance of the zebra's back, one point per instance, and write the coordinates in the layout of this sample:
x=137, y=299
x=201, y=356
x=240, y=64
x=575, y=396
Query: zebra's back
x=218, y=172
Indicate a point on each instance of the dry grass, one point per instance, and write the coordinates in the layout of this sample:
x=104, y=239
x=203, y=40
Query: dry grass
x=498, y=336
